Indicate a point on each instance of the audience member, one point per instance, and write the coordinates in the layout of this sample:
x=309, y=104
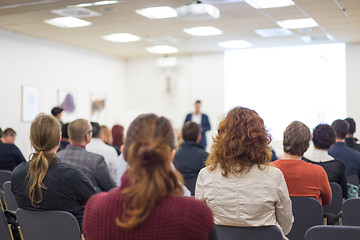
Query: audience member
x=323, y=137
x=9, y=136
x=44, y=183
x=303, y=179
x=117, y=132
x=10, y=155
x=76, y=156
x=191, y=156
x=108, y=139
x=149, y=203
x=339, y=150
x=201, y=119
x=350, y=140
x=57, y=113
x=64, y=137
x=238, y=184
x=97, y=145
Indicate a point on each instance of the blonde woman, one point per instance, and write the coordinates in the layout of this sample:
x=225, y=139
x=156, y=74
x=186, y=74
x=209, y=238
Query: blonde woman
x=43, y=183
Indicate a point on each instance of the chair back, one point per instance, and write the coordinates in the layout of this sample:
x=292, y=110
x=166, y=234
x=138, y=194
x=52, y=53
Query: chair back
x=353, y=179
x=4, y=228
x=248, y=233
x=333, y=233
x=10, y=200
x=335, y=206
x=307, y=212
x=4, y=176
x=45, y=225
x=351, y=212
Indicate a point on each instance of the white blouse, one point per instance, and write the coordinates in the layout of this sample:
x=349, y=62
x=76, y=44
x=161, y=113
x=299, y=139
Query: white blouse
x=259, y=198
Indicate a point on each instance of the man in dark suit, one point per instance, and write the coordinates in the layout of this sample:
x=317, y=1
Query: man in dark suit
x=350, y=140
x=10, y=155
x=91, y=164
x=201, y=119
x=191, y=156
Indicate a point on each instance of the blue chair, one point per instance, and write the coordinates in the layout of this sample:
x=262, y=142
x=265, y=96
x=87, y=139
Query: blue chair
x=353, y=179
x=333, y=233
x=307, y=212
x=351, y=212
x=45, y=225
x=332, y=211
x=248, y=233
x=10, y=200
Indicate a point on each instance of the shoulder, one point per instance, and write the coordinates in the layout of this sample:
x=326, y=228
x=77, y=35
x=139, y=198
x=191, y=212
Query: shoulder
x=20, y=169
x=103, y=200
x=193, y=207
x=94, y=156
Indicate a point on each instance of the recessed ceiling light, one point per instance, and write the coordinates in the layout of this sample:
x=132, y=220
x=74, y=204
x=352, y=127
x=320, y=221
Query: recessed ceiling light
x=235, y=44
x=273, y=32
x=76, y=12
x=203, y=31
x=157, y=12
x=298, y=23
x=162, y=49
x=121, y=37
x=94, y=4
x=269, y=3
x=68, y=22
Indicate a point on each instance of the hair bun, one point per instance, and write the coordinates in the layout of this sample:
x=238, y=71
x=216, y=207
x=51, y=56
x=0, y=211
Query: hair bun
x=150, y=154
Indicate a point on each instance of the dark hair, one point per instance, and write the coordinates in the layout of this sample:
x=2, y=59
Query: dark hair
x=9, y=132
x=197, y=101
x=1, y=132
x=242, y=142
x=296, y=138
x=341, y=128
x=64, y=130
x=117, y=132
x=96, y=129
x=191, y=131
x=323, y=136
x=352, y=126
x=148, y=147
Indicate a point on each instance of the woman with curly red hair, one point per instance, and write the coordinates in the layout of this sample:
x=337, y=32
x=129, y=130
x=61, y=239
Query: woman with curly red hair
x=237, y=183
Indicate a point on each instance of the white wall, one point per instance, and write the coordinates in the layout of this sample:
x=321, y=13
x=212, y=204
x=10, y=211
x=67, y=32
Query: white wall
x=52, y=66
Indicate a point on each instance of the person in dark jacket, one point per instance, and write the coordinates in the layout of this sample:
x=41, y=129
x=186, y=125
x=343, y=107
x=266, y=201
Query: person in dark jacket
x=10, y=155
x=191, y=156
x=350, y=140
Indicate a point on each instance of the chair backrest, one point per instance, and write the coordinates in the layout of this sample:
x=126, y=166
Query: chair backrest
x=307, y=212
x=44, y=225
x=336, y=202
x=11, y=203
x=353, y=179
x=248, y=233
x=4, y=176
x=4, y=228
x=333, y=233
x=351, y=212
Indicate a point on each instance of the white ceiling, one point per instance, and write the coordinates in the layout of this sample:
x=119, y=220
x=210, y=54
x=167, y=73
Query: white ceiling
x=238, y=20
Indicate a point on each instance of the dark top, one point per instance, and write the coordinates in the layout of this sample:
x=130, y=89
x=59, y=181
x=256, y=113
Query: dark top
x=335, y=170
x=352, y=143
x=190, y=159
x=349, y=156
x=174, y=218
x=63, y=145
x=205, y=126
x=67, y=189
x=10, y=156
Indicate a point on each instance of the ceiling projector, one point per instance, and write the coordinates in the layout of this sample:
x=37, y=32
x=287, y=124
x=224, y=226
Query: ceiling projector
x=198, y=11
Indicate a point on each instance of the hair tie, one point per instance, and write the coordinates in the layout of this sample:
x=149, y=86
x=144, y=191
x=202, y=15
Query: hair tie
x=41, y=150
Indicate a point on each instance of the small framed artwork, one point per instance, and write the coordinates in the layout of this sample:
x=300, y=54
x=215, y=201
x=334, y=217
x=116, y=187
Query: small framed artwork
x=98, y=107
x=68, y=100
x=30, y=103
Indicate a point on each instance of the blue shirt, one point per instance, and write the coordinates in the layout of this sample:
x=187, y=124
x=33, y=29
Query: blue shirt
x=349, y=156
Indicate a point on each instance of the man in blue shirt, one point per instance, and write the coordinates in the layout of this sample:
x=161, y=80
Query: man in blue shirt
x=341, y=151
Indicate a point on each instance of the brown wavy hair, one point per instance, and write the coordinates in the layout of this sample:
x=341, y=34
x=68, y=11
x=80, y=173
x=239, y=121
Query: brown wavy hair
x=148, y=148
x=45, y=134
x=242, y=141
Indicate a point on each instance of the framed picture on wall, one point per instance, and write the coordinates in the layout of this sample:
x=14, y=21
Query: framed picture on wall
x=98, y=104
x=30, y=103
x=68, y=100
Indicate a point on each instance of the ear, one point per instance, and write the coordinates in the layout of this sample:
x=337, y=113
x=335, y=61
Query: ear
x=122, y=152
x=198, y=138
x=172, y=155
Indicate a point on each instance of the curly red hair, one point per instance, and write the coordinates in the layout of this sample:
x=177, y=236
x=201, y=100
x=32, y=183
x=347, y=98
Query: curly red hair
x=242, y=141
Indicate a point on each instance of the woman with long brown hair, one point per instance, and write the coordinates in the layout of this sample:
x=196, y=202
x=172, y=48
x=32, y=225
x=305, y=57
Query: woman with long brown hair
x=149, y=204
x=237, y=183
x=43, y=183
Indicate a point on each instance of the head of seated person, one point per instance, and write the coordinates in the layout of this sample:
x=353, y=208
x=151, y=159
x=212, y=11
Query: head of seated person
x=296, y=139
x=9, y=136
x=323, y=137
x=96, y=130
x=191, y=132
x=341, y=128
x=80, y=132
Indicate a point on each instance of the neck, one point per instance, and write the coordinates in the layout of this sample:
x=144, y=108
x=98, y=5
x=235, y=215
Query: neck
x=349, y=135
x=340, y=140
x=79, y=143
x=291, y=157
